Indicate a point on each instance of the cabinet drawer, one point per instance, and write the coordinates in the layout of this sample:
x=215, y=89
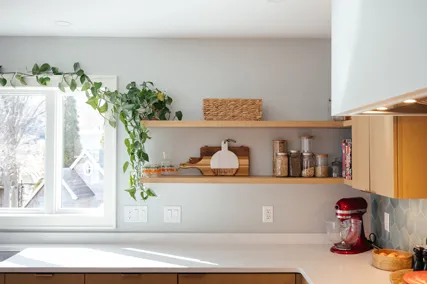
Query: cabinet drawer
x=131, y=278
x=44, y=278
x=236, y=278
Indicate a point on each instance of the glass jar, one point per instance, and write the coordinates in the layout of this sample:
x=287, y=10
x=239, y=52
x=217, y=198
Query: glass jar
x=336, y=168
x=281, y=165
x=308, y=163
x=321, y=165
x=167, y=168
x=306, y=143
x=294, y=163
x=279, y=146
x=151, y=170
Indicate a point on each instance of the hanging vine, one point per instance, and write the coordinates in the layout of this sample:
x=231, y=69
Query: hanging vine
x=139, y=102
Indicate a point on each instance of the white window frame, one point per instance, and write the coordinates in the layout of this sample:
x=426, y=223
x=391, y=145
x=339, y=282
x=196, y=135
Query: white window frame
x=52, y=216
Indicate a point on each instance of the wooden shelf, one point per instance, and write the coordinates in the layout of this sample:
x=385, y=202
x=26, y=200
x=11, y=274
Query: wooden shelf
x=239, y=124
x=241, y=180
x=348, y=123
x=348, y=182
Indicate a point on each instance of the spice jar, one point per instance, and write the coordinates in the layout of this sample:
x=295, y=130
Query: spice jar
x=321, y=165
x=279, y=146
x=294, y=163
x=281, y=166
x=308, y=163
x=336, y=168
x=306, y=143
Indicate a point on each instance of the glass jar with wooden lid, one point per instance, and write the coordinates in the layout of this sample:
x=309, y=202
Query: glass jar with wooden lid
x=281, y=165
x=306, y=144
x=294, y=163
x=308, y=164
x=322, y=168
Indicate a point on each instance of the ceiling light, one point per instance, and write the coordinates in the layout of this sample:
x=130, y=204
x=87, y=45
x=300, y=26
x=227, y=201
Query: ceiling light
x=382, y=108
x=411, y=101
x=63, y=23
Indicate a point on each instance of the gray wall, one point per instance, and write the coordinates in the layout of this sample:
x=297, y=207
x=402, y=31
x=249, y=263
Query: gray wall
x=291, y=76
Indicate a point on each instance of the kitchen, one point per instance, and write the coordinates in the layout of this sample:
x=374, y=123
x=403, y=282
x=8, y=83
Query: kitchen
x=215, y=224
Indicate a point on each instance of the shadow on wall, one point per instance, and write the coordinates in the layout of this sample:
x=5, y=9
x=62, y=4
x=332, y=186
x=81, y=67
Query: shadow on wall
x=408, y=222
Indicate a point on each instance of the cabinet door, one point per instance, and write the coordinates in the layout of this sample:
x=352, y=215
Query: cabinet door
x=236, y=278
x=300, y=279
x=360, y=152
x=382, y=155
x=411, y=157
x=131, y=279
x=45, y=278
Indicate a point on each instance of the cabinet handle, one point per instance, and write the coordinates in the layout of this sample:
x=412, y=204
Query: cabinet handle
x=130, y=274
x=43, y=275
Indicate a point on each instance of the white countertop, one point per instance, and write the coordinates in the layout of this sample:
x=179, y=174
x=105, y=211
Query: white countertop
x=315, y=262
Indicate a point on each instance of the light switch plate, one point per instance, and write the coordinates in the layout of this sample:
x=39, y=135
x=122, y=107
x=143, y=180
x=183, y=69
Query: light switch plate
x=386, y=222
x=172, y=214
x=136, y=214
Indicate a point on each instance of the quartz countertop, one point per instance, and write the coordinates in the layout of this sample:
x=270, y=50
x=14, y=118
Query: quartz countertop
x=315, y=262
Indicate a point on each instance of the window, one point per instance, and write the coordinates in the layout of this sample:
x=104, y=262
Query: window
x=57, y=160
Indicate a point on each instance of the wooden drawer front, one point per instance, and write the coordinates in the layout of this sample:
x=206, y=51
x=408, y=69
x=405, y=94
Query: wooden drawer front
x=131, y=279
x=236, y=278
x=45, y=278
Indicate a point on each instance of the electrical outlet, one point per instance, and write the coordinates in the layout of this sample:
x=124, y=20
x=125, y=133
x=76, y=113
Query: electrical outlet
x=267, y=214
x=386, y=222
x=133, y=214
x=172, y=214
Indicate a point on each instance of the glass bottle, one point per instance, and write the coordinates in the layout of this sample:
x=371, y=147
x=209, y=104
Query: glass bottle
x=308, y=163
x=321, y=169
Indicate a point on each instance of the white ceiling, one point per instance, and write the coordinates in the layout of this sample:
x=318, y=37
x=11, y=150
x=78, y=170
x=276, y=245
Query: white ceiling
x=167, y=18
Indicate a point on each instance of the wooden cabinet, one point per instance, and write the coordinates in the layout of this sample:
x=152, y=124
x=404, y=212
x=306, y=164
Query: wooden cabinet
x=395, y=166
x=300, y=279
x=44, y=278
x=236, y=278
x=360, y=152
x=131, y=279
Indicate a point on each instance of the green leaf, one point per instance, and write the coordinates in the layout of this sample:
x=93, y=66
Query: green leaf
x=127, y=142
x=73, y=85
x=61, y=86
x=35, y=70
x=93, y=102
x=169, y=100
x=125, y=166
x=132, y=192
x=44, y=68
x=145, y=156
x=103, y=108
x=144, y=196
x=3, y=82
x=112, y=123
x=150, y=192
x=83, y=78
x=128, y=106
x=55, y=71
x=80, y=72
x=44, y=80
x=179, y=115
x=97, y=85
x=85, y=86
x=21, y=79
x=76, y=66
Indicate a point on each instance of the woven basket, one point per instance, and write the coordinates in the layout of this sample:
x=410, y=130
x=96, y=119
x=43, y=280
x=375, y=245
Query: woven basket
x=232, y=109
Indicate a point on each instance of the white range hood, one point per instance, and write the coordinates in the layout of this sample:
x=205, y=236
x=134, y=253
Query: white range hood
x=379, y=57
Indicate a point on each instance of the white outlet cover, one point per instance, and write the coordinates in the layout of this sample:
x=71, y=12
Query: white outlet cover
x=135, y=214
x=172, y=214
x=267, y=214
x=386, y=222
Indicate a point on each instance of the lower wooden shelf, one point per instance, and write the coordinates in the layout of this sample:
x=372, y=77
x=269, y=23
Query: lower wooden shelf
x=348, y=182
x=241, y=180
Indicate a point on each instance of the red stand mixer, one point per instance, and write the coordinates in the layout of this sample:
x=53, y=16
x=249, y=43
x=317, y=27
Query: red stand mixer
x=349, y=212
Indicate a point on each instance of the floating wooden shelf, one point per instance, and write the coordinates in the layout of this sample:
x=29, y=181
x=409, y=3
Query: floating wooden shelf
x=241, y=180
x=348, y=182
x=238, y=124
x=348, y=123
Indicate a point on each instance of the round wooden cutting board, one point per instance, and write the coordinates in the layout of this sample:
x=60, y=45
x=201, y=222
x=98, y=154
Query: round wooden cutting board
x=397, y=276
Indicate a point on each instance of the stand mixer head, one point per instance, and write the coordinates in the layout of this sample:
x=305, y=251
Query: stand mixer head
x=349, y=212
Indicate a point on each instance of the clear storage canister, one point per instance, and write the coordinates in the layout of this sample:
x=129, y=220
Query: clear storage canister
x=308, y=164
x=294, y=163
x=281, y=166
x=336, y=168
x=279, y=146
x=321, y=165
x=306, y=144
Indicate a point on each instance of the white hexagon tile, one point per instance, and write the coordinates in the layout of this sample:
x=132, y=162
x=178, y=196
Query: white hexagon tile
x=408, y=222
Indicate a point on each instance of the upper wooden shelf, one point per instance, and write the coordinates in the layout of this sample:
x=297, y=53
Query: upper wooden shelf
x=238, y=124
x=241, y=180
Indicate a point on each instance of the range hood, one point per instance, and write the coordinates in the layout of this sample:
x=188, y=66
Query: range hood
x=379, y=57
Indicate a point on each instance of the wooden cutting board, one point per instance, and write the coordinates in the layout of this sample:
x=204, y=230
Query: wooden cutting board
x=396, y=277
x=204, y=165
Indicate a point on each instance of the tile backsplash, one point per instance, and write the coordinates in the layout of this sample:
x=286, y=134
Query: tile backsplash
x=408, y=222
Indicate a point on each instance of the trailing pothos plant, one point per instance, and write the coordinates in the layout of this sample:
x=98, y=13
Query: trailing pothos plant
x=139, y=102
